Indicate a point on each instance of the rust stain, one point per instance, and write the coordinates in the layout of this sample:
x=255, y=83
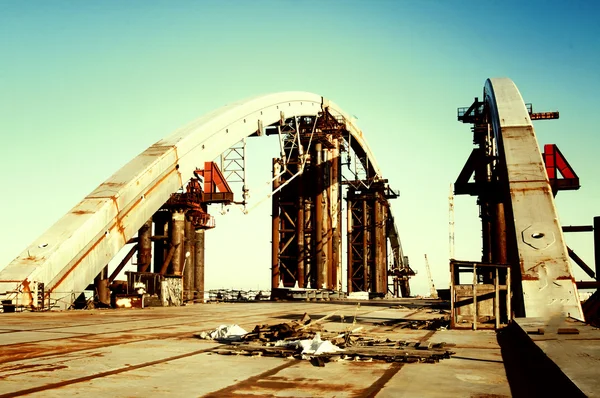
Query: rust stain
x=566, y=278
x=80, y=212
x=378, y=385
x=157, y=150
x=113, y=184
x=523, y=190
x=27, y=287
x=248, y=383
x=52, y=386
x=528, y=277
x=292, y=384
x=33, y=369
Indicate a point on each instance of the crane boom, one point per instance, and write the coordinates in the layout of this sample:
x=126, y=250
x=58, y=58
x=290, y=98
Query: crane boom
x=432, y=289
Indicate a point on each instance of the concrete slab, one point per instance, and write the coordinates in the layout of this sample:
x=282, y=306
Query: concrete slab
x=152, y=352
x=572, y=346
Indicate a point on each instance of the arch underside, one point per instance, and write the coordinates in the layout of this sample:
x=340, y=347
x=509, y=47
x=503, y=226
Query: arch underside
x=536, y=242
x=77, y=247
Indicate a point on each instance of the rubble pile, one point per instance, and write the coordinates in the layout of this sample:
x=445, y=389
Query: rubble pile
x=307, y=339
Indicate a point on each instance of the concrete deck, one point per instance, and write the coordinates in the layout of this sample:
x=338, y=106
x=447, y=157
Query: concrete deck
x=152, y=352
x=572, y=346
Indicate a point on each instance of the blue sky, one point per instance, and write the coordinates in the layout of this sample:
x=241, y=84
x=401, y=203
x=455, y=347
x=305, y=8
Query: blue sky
x=86, y=86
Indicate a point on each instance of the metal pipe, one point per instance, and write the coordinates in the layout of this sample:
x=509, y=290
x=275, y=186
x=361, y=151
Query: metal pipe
x=122, y=264
x=318, y=229
x=178, y=224
x=199, y=264
x=275, y=221
x=581, y=263
x=188, y=262
x=144, y=254
x=165, y=266
x=161, y=228
x=578, y=228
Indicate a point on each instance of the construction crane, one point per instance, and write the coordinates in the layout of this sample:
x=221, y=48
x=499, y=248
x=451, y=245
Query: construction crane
x=432, y=291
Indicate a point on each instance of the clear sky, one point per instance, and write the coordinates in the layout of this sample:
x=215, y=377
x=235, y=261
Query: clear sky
x=87, y=85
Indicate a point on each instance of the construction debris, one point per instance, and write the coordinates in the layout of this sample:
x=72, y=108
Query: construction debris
x=224, y=333
x=307, y=339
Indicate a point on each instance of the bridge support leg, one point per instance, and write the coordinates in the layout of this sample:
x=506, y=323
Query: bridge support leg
x=198, y=286
x=321, y=269
x=178, y=226
x=188, y=261
x=336, y=217
x=144, y=254
x=275, y=220
x=161, y=228
x=300, y=277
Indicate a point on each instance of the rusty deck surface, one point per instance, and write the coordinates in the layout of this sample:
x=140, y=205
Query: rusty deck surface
x=152, y=352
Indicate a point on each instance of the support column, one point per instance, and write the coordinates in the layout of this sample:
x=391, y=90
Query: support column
x=300, y=277
x=188, y=262
x=308, y=244
x=365, y=247
x=178, y=225
x=500, y=225
x=350, y=262
x=144, y=254
x=161, y=228
x=275, y=221
x=199, y=265
x=336, y=222
x=318, y=224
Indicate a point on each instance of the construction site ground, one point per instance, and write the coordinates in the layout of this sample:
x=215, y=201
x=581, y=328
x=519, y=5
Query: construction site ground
x=154, y=352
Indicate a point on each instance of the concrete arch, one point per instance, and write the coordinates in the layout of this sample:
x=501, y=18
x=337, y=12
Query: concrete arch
x=537, y=244
x=76, y=248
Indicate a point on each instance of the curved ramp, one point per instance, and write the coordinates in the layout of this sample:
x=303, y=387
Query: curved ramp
x=73, y=251
x=547, y=281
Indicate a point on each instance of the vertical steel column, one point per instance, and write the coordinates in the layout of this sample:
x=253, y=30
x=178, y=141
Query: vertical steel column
x=161, y=228
x=300, y=277
x=188, y=261
x=199, y=264
x=178, y=225
x=365, y=246
x=275, y=277
x=336, y=205
x=144, y=253
x=378, y=245
x=321, y=267
x=350, y=262
x=500, y=256
x=308, y=244
x=597, y=247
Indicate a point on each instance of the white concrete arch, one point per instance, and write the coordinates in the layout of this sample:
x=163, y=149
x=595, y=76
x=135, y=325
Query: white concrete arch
x=74, y=250
x=547, y=279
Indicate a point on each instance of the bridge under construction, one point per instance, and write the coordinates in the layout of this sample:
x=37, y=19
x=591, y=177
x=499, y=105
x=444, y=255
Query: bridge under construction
x=156, y=209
